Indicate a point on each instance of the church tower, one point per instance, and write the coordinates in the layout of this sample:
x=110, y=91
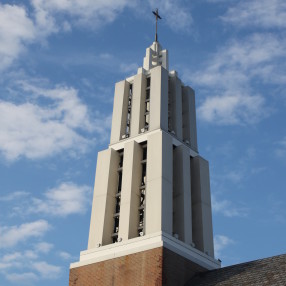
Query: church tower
x=151, y=221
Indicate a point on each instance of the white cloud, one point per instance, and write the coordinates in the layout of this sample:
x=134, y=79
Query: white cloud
x=174, y=13
x=233, y=65
x=34, y=131
x=220, y=243
x=262, y=13
x=20, y=27
x=232, y=109
x=280, y=149
x=47, y=270
x=227, y=208
x=65, y=255
x=14, y=196
x=26, y=267
x=11, y=257
x=86, y=12
x=12, y=235
x=229, y=77
x=66, y=199
x=18, y=257
x=22, y=277
x=16, y=30
x=43, y=247
x=128, y=68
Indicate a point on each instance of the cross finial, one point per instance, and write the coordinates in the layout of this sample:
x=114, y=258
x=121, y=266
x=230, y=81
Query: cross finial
x=156, y=13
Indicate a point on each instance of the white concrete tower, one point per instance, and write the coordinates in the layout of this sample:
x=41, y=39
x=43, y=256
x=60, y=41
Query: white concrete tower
x=152, y=187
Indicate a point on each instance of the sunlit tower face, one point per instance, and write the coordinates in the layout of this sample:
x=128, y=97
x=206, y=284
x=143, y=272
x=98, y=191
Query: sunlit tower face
x=152, y=187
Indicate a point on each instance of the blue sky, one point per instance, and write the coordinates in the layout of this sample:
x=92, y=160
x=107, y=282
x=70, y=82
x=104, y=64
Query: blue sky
x=59, y=61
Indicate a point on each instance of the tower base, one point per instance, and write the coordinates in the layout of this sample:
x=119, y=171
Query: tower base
x=156, y=259
x=158, y=266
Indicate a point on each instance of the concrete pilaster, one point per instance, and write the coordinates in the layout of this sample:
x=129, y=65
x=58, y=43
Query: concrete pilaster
x=189, y=117
x=130, y=194
x=119, y=115
x=159, y=99
x=159, y=194
x=138, y=104
x=103, y=205
x=175, y=102
x=182, y=217
x=201, y=205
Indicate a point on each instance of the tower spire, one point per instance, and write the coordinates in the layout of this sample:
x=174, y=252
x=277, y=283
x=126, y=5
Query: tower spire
x=156, y=13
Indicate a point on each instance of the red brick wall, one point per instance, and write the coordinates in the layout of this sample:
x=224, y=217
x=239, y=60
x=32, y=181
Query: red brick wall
x=158, y=266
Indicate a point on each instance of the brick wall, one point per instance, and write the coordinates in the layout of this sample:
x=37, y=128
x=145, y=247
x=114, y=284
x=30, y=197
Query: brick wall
x=158, y=266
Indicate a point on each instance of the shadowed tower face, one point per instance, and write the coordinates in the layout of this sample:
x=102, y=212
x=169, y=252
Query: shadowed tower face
x=151, y=187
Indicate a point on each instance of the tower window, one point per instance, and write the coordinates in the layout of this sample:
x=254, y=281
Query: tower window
x=141, y=208
x=148, y=81
x=143, y=180
x=144, y=157
x=116, y=214
x=129, y=107
x=147, y=94
x=147, y=106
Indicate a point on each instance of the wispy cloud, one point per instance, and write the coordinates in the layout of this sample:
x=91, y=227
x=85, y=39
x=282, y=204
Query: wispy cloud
x=46, y=270
x=66, y=199
x=12, y=235
x=35, y=131
x=65, y=255
x=63, y=200
x=23, y=278
x=280, y=148
x=21, y=26
x=93, y=14
x=276, y=210
x=43, y=247
x=220, y=243
x=13, y=196
x=232, y=109
x=176, y=14
x=16, y=30
x=129, y=68
x=227, y=208
x=26, y=267
x=229, y=76
x=252, y=13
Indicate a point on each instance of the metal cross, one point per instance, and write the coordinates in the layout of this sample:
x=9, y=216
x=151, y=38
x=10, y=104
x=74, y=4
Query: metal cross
x=156, y=13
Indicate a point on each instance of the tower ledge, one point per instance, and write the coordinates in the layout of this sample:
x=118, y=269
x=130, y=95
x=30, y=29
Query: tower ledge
x=148, y=242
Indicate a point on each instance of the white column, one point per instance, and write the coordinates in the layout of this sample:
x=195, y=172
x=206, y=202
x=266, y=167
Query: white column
x=182, y=217
x=159, y=194
x=159, y=99
x=138, y=104
x=189, y=117
x=201, y=205
x=175, y=94
x=130, y=194
x=103, y=205
x=119, y=115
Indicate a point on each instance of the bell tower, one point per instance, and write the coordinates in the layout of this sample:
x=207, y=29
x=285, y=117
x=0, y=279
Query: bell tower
x=151, y=221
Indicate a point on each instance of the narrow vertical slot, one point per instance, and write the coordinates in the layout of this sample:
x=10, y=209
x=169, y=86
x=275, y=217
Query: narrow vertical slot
x=185, y=116
x=142, y=193
x=116, y=214
x=169, y=106
x=129, y=107
x=147, y=105
x=177, y=219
